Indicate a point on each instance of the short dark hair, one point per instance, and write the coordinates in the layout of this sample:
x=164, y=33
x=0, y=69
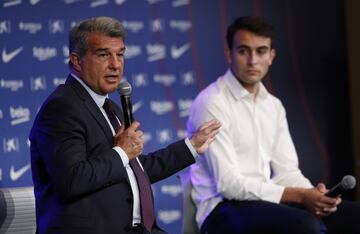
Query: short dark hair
x=78, y=36
x=254, y=24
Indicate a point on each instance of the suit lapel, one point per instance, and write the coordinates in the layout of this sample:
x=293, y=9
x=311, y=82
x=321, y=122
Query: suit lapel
x=91, y=107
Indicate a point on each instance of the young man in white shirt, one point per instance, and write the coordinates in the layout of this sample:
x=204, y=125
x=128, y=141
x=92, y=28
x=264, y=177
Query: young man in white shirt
x=250, y=173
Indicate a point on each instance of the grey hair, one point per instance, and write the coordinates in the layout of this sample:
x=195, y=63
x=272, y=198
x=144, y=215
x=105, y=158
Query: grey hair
x=78, y=36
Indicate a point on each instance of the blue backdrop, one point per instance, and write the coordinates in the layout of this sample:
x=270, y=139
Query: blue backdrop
x=174, y=49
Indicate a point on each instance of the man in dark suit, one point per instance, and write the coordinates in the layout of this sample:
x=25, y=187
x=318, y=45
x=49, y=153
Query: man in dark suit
x=82, y=165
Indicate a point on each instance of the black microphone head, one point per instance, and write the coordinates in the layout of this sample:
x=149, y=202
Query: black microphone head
x=124, y=88
x=348, y=182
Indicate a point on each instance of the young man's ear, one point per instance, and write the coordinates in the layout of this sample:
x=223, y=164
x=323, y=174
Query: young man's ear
x=75, y=61
x=272, y=55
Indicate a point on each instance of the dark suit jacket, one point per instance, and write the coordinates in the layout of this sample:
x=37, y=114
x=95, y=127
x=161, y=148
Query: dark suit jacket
x=80, y=183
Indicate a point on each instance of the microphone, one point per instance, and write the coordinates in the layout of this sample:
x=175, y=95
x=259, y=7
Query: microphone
x=124, y=89
x=348, y=182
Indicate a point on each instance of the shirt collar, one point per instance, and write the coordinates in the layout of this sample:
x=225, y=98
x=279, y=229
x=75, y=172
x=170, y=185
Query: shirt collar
x=238, y=90
x=99, y=99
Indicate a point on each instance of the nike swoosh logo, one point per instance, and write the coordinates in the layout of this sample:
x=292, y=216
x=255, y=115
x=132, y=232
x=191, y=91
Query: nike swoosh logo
x=34, y=2
x=71, y=1
x=137, y=106
x=16, y=174
x=177, y=52
x=7, y=57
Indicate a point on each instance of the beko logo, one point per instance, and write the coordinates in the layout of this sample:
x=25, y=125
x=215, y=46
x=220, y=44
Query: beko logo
x=30, y=27
x=44, y=53
x=169, y=216
x=132, y=51
x=13, y=85
x=133, y=26
x=161, y=107
x=172, y=190
x=155, y=52
x=180, y=25
x=19, y=115
x=165, y=79
x=11, y=145
x=5, y=27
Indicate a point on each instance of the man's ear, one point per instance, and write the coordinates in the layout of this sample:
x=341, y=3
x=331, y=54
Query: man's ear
x=75, y=61
x=227, y=53
x=272, y=56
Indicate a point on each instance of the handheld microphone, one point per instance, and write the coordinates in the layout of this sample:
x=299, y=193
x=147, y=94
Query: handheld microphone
x=124, y=89
x=348, y=182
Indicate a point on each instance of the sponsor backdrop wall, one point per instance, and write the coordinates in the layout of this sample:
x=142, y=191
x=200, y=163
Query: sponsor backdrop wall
x=174, y=49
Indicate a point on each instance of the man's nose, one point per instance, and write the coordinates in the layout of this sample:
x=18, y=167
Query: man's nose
x=114, y=62
x=252, y=58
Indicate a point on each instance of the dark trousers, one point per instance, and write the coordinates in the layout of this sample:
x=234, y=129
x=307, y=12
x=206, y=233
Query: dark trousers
x=249, y=217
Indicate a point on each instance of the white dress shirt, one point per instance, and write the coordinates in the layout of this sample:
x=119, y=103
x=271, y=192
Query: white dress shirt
x=99, y=100
x=254, y=138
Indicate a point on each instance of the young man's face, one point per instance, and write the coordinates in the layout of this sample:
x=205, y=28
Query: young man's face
x=101, y=67
x=250, y=58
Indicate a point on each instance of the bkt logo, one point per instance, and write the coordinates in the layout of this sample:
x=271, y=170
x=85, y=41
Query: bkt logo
x=156, y=25
x=11, y=145
x=44, y=53
x=184, y=106
x=155, y=52
x=132, y=51
x=56, y=26
x=38, y=83
x=161, y=107
x=13, y=85
x=19, y=115
x=180, y=25
x=5, y=27
x=172, y=190
x=165, y=79
x=133, y=26
x=140, y=79
x=187, y=78
x=169, y=216
x=31, y=27
x=164, y=136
